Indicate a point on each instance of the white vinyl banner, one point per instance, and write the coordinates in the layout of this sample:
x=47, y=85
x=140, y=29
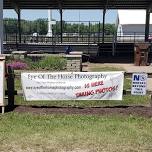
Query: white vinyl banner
x=2, y=72
x=73, y=86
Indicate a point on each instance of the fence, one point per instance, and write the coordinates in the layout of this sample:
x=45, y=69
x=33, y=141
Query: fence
x=74, y=38
x=72, y=32
x=10, y=92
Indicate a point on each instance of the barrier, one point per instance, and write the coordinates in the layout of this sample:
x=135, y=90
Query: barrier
x=6, y=74
x=125, y=92
x=11, y=90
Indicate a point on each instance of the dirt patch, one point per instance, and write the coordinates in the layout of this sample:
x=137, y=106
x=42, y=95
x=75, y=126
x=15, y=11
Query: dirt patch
x=118, y=110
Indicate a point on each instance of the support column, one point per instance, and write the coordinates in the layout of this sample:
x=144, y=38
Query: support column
x=89, y=33
x=99, y=33
x=19, y=24
x=103, y=25
x=1, y=26
x=49, y=34
x=61, y=25
x=147, y=24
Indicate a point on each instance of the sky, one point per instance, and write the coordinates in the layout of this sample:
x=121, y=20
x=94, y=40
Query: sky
x=68, y=15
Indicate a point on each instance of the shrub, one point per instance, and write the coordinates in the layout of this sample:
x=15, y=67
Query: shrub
x=18, y=65
x=50, y=63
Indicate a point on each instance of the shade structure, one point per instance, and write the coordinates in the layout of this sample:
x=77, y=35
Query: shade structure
x=77, y=4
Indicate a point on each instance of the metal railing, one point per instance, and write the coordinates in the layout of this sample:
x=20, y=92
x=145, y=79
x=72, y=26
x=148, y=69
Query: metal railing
x=75, y=38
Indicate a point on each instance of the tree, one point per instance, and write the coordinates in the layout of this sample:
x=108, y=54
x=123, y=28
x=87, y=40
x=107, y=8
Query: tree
x=41, y=26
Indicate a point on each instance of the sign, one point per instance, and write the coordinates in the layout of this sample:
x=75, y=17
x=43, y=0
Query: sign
x=73, y=86
x=2, y=77
x=139, y=84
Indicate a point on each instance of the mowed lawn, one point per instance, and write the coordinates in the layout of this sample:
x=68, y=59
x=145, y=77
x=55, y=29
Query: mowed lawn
x=26, y=132
x=74, y=133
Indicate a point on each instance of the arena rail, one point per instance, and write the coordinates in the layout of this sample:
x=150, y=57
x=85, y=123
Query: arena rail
x=11, y=92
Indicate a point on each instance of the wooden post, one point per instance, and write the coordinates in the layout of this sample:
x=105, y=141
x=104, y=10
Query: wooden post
x=2, y=78
x=10, y=87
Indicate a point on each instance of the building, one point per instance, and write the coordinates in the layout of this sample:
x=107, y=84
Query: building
x=131, y=25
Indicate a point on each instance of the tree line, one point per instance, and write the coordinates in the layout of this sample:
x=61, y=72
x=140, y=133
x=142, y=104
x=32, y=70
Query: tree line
x=41, y=26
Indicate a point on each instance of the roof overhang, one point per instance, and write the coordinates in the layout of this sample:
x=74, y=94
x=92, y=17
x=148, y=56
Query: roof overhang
x=77, y=4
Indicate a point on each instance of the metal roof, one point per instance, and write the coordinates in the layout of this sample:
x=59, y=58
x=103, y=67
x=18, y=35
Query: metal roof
x=77, y=4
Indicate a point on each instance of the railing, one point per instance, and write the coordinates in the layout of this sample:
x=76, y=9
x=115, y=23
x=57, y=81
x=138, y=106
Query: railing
x=56, y=38
x=84, y=38
x=20, y=92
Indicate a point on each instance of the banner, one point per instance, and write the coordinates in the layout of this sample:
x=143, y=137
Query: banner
x=73, y=86
x=2, y=76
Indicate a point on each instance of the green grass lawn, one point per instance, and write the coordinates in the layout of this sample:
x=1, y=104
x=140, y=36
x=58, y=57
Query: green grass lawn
x=98, y=68
x=74, y=133
x=128, y=100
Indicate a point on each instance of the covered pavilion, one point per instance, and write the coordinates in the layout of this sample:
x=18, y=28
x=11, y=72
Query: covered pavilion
x=18, y=5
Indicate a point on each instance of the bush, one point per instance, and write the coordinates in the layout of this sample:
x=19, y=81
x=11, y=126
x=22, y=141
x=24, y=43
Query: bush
x=17, y=65
x=53, y=63
x=49, y=63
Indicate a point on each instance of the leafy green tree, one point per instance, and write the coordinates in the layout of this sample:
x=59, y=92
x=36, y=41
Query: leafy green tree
x=41, y=26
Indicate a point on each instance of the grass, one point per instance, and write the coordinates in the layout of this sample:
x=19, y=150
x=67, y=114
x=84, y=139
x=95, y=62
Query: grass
x=127, y=84
x=18, y=85
x=128, y=100
x=105, y=68
x=74, y=133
